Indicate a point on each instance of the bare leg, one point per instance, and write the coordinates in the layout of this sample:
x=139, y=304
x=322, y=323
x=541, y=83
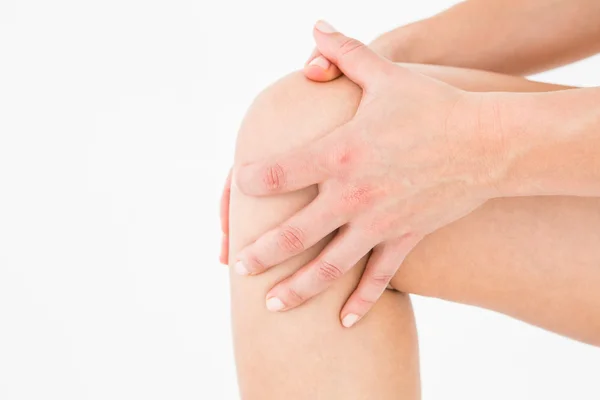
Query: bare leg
x=306, y=353
x=532, y=258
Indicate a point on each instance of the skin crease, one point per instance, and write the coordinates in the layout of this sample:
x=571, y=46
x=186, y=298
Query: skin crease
x=457, y=150
x=534, y=258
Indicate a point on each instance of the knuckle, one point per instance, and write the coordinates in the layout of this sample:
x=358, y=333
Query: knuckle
x=381, y=280
x=254, y=264
x=274, y=177
x=291, y=239
x=364, y=301
x=328, y=272
x=349, y=45
x=295, y=296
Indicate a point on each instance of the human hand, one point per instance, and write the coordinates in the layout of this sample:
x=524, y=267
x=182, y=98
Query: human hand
x=414, y=158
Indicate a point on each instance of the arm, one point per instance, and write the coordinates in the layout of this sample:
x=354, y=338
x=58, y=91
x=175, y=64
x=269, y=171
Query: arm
x=306, y=353
x=549, y=143
x=516, y=37
x=417, y=156
x=509, y=36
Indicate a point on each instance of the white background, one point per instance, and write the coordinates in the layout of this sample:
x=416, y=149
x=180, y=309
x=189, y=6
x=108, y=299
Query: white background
x=117, y=125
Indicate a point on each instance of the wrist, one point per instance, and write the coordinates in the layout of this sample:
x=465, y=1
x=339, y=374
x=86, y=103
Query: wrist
x=525, y=132
x=547, y=143
x=489, y=142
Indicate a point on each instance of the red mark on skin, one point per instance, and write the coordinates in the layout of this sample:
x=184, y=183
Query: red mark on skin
x=345, y=158
x=343, y=155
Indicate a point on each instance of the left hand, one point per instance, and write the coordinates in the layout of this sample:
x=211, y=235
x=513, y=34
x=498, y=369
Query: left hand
x=413, y=159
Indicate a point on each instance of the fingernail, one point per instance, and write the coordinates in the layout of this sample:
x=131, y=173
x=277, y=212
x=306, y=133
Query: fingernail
x=240, y=268
x=324, y=27
x=349, y=320
x=320, y=62
x=274, y=304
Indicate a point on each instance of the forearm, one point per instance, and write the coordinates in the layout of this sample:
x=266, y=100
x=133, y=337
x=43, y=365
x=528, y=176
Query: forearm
x=548, y=143
x=473, y=80
x=510, y=36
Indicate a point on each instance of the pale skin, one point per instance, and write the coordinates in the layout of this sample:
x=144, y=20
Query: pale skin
x=542, y=246
x=494, y=35
x=570, y=31
x=533, y=258
x=417, y=155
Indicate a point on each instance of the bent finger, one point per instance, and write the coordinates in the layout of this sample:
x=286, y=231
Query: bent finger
x=292, y=237
x=298, y=168
x=344, y=251
x=381, y=267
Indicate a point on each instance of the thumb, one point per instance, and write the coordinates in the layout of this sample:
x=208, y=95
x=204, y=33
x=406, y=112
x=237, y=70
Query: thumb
x=359, y=63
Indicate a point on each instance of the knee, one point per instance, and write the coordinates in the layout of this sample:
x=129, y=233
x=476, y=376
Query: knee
x=288, y=114
x=294, y=111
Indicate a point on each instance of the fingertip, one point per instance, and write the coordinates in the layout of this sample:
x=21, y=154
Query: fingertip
x=320, y=62
x=318, y=74
x=324, y=27
x=349, y=320
x=274, y=304
x=241, y=268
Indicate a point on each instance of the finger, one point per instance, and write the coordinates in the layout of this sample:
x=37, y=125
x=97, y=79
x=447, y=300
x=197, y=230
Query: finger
x=292, y=237
x=320, y=69
x=297, y=169
x=359, y=63
x=381, y=267
x=224, y=204
x=345, y=250
x=224, y=256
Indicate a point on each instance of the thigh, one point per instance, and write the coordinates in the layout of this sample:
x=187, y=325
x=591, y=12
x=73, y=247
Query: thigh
x=534, y=258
